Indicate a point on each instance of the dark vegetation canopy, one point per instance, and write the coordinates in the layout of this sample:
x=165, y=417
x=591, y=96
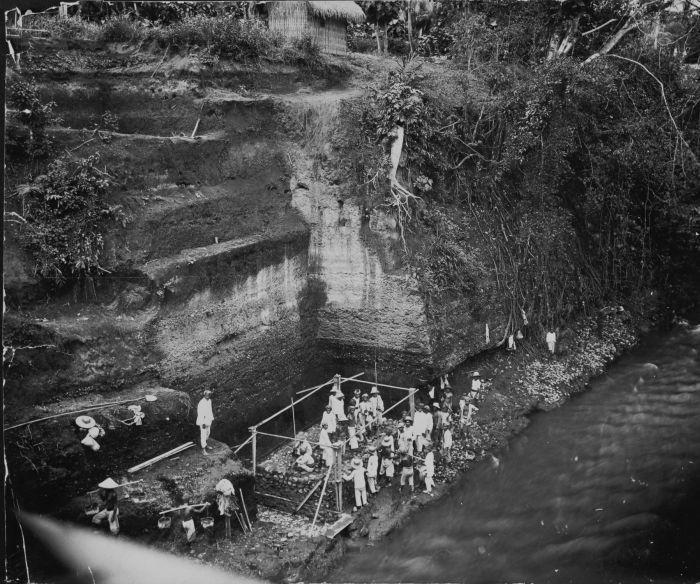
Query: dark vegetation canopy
x=564, y=172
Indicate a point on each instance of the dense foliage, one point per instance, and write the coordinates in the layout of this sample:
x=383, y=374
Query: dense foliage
x=66, y=217
x=571, y=166
x=27, y=120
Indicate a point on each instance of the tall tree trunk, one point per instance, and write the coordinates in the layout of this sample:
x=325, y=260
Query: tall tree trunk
x=554, y=42
x=409, y=24
x=376, y=33
x=386, y=39
x=570, y=39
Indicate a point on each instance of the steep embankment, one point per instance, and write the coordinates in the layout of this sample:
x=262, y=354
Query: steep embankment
x=251, y=260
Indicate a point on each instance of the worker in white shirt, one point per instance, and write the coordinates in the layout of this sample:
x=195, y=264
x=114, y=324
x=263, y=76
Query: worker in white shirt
x=551, y=340
x=330, y=419
x=326, y=445
x=337, y=404
x=205, y=416
x=422, y=426
x=377, y=404
x=357, y=474
x=372, y=469
x=476, y=386
x=429, y=469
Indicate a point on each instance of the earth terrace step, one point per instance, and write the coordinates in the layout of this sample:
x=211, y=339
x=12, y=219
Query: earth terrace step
x=152, y=106
x=180, y=276
x=145, y=161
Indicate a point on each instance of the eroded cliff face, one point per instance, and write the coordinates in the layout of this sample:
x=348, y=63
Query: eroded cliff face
x=250, y=264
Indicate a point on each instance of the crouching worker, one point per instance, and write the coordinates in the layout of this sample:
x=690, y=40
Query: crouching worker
x=305, y=461
x=357, y=475
x=109, y=506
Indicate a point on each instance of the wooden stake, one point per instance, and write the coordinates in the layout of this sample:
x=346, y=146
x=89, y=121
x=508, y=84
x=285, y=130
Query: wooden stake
x=183, y=507
x=308, y=495
x=250, y=525
x=254, y=431
x=294, y=419
x=323, y=491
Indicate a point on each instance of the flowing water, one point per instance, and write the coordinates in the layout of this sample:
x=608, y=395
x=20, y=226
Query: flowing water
x=604, y=489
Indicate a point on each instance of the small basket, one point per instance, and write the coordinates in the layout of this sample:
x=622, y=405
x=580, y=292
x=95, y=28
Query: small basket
x=164, y=522
x=207, y=522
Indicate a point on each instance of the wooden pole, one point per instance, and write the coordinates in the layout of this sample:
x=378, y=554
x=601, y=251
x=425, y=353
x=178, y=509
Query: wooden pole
x=412, y=402
x=323, y=491
x=377, y=384
x=308, y=496
x=294, y=419
x=254, y=431
x=247, y=518
x=98, y=407
x=160, y=457
x=183, y=507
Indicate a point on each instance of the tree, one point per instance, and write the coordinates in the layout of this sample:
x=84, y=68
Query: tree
x=380, y=14
x=66, y=217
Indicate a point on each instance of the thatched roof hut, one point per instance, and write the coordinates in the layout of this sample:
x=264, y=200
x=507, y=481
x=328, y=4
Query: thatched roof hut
x=323, y=21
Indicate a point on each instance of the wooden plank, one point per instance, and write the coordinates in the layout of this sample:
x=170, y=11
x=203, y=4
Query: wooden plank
x=339, y=525
x=160, y=457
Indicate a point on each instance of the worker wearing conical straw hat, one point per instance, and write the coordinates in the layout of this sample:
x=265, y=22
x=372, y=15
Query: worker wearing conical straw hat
x=109, y=503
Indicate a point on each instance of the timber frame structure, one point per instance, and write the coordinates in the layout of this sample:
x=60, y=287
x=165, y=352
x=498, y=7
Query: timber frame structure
x=336, y=469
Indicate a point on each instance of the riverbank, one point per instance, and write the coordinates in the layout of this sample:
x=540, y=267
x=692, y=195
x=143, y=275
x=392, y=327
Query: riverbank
x=283, y=548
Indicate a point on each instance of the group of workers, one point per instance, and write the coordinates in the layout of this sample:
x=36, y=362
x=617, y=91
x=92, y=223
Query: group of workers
x=108, y=507
x=415, y=438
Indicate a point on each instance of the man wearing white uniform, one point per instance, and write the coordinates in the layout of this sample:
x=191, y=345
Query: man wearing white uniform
x=205, y=416
x=330, y=419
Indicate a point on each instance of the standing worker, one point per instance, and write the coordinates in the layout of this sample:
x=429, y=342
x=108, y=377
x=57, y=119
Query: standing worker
x=205, y=416
x=357, y=474
x=109, y=506
x=226, y=501
x=372, y=469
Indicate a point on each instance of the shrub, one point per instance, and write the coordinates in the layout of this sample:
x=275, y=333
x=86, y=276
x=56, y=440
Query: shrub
x=66, y=217
x=27, y=125
x=121, y=29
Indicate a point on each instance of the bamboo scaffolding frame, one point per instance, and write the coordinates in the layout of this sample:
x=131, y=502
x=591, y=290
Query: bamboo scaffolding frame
x=343, y=379
x=288, y=438
x=323, y=492
x=97, y=407
x=184, y=507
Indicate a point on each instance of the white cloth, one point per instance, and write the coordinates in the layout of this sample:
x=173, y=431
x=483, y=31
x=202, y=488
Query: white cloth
x=204, y=432
x=331, y=419
x=188, y=526
x=338, y=408
x=447, y=438
x=372, y=465
x=420, y=422
x=360, y=496
x=358, y=477
x=429, y=464
x=352, y=438
x=90, y=442
x=225, y=487
x=205, y=415
x=377, y=404
x=326, y=445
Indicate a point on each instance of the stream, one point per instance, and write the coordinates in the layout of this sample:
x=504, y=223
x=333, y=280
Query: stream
x=603, y=489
